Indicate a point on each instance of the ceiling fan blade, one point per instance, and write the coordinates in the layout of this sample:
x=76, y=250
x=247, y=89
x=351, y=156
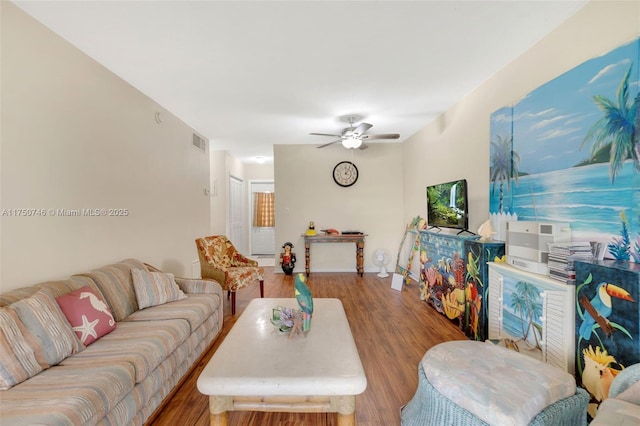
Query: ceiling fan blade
x=363, y=146
x=362, y=128
x=325, y=134
x=330, y=143
x=383, y=136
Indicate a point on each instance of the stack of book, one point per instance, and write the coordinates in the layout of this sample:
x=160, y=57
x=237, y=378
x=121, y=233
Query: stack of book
x=562, y=257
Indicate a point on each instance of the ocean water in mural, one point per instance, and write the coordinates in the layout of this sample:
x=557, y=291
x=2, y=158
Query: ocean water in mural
x=591, y=204
x=566, y=152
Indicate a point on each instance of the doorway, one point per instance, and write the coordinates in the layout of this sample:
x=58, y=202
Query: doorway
x=262, y=203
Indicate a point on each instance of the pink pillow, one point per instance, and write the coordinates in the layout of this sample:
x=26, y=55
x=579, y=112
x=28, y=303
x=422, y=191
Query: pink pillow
x=87, y=313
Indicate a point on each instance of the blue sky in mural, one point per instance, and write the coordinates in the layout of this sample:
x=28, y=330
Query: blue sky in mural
x=548, y=127
x=551, y=122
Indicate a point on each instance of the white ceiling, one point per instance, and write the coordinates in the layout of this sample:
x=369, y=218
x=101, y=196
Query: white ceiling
x=251, y=74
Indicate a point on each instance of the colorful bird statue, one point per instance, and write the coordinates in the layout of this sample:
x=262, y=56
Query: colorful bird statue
x=303, y=295
x=601, y=302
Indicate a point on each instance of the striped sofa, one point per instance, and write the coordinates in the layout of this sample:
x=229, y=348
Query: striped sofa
x=122, y=377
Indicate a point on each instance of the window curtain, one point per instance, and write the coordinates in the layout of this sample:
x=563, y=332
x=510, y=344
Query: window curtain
x=264, y=212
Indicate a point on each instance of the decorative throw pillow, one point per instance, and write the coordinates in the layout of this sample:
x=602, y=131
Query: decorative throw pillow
x=155, y=288
x=88, y=314
x=34, y=335
x=18, y=361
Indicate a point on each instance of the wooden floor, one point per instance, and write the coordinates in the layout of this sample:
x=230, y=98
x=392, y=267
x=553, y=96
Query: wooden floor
x=392, y=330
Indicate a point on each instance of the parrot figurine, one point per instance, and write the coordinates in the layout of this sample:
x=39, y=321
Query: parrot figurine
x=601, y=302
x=303, y=296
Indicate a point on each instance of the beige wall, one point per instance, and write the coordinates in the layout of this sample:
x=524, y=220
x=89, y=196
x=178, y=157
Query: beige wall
x=76, y=136
x=456, y=145
x=218, y=196
x=305, y=191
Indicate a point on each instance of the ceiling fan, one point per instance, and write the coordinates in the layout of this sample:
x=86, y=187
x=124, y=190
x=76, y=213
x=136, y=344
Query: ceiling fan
x=355, y=137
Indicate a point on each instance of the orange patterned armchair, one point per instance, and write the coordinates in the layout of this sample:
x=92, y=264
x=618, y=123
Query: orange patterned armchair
x=220, y=261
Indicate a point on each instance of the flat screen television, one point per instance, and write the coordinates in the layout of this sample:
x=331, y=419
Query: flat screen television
x=447, y=205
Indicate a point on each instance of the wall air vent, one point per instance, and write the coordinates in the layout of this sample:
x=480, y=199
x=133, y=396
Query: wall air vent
x=200, y=143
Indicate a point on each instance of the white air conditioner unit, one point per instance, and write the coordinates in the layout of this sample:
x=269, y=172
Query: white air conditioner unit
x=528, y=243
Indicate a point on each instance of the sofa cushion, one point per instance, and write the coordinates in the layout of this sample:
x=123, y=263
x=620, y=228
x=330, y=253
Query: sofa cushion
x=631, y=395
x=195, y=308
x=193, y=286
x=35, y=336
x=18, y=361
x=53, y=288
x=88, y=314
x=155, y=288
x=64, y=395
x=116, y=285
x=614, y=411
x=143, y=344
x=625, y=379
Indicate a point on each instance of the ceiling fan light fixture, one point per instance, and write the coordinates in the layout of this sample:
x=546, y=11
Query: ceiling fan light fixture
x=351, y=142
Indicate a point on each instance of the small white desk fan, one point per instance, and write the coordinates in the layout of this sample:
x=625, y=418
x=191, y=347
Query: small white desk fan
x=380, y=259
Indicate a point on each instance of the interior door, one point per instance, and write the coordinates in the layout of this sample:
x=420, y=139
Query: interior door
x=262, y=237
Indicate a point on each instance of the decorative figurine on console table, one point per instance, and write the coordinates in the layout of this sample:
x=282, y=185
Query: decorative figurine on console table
x=486, y=231
x=287, y=258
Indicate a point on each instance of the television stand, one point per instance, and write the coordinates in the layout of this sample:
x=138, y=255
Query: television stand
x=466, y=230
x=434, y=227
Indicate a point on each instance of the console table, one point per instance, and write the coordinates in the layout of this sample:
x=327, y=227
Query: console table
x=358, y=239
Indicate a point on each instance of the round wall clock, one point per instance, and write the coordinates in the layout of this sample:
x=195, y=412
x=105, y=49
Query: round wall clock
x=345, y=173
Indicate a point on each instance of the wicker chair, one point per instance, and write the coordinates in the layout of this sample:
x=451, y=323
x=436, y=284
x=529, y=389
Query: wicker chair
x=219, y=260
x=480, y=384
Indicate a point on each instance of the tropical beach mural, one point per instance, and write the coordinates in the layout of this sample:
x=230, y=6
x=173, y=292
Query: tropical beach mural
x=570, y=152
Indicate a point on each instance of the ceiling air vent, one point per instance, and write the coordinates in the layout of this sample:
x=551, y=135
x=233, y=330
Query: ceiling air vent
x=200, y=143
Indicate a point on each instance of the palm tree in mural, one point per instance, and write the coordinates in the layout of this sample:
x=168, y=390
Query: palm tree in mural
x=518, y=304
x=526, y=302
x=504, y=165
x=618, y=127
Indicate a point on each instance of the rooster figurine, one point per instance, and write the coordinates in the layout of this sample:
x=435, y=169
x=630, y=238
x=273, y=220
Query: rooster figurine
x=303, y=295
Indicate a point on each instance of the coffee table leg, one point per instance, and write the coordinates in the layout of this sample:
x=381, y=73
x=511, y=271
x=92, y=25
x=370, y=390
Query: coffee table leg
x=218, y=407
x=345, y=406
x=346, y=419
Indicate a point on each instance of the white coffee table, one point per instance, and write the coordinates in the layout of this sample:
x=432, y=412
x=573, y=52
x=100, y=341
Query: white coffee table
x=258, y=369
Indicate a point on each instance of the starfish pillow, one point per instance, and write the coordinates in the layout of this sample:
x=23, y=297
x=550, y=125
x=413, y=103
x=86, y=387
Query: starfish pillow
x=88, y=314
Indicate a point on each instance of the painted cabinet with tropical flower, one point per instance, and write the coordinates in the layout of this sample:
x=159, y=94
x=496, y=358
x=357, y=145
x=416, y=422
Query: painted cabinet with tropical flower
x=443, y=273
x=607, y=330
x=478, y=253
x=533, y=314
